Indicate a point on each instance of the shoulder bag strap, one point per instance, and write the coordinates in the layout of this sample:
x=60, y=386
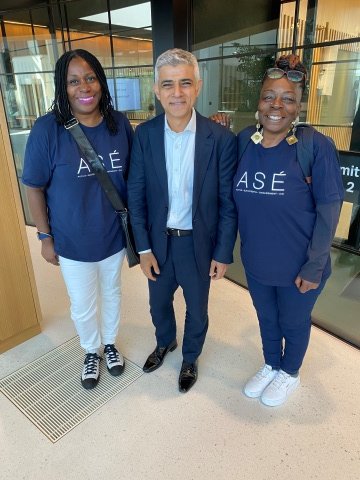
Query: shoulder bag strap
x=95, y=163
x=305, y=150
x=107, y=185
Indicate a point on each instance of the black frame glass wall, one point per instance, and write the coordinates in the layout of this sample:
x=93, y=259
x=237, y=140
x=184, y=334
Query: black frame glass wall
x=235, y=42
x=119, y=33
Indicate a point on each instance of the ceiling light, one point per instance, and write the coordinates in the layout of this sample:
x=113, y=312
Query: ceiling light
x=137, y=16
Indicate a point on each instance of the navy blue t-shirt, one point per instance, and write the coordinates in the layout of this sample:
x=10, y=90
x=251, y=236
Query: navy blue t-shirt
x=81, y=218
x=277, y=211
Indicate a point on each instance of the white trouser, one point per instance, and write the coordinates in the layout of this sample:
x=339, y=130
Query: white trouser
x=95, y=297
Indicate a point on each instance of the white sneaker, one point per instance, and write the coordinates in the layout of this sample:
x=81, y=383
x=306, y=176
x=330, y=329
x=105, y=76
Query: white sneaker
x=279, y=389
x=257, y=384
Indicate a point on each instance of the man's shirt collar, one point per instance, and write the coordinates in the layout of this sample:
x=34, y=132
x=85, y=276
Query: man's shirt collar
x=190, y=127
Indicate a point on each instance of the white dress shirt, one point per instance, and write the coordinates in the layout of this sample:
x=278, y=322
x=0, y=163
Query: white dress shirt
x=179, y=155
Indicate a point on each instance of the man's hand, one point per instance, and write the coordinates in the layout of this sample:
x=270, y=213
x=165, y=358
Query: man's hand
x=148, y=264
x=217, y=270
x=304, y=285
x=48, y=251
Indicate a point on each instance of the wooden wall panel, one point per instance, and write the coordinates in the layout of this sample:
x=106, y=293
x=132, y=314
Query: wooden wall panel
x=19, y=305
x=340, y=135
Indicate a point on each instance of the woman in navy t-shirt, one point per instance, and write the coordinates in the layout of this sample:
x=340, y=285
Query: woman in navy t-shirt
x=286, y=225
x=76, y=223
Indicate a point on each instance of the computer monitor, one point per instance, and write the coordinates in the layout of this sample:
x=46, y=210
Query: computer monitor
x=127, y=93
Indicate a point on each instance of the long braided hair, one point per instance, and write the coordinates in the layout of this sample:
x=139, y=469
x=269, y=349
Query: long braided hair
x=61, y=106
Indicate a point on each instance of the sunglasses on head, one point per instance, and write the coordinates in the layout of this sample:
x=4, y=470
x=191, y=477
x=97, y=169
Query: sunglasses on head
x=292, y=75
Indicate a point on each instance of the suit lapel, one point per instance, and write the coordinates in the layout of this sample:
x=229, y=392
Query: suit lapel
x=157, y=145
x=204, y=145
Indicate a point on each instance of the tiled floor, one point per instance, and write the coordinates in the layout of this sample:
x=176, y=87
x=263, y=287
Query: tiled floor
x=151, y=431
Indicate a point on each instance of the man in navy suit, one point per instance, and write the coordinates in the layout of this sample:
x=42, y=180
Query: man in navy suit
x=181, y=207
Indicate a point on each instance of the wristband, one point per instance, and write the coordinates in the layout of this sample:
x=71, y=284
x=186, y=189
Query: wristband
x=43, y=235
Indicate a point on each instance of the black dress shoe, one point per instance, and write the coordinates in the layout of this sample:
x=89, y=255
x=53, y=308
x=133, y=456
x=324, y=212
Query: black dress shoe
x=188, y=376
x=156, y=358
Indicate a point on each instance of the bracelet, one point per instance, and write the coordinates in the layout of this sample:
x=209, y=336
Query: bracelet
x=43, y=235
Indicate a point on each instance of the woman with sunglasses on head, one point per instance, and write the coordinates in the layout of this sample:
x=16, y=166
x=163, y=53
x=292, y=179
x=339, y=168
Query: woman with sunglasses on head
x=286, y=227
x=77, y=226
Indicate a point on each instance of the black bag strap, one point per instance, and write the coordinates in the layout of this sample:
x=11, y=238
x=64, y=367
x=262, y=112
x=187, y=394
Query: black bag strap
x=95, y=163
x=107, y=185
x=305, y=149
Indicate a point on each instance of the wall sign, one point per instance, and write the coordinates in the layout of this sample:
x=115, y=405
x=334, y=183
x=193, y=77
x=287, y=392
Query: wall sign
x=350, y=169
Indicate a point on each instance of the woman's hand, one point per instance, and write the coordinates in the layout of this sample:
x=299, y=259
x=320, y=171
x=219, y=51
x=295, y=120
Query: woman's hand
x=304, y=285
x=48, y=251
x=222, y=118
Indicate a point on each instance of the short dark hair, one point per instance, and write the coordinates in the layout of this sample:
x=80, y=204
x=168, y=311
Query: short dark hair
x=61, y=106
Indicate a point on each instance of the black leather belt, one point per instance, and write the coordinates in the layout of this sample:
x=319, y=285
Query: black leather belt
x=176, y=232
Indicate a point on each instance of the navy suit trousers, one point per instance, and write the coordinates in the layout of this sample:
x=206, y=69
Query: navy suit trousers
x=180, y=269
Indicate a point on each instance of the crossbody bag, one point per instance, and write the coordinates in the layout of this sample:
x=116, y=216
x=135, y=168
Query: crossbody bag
x=107, y=185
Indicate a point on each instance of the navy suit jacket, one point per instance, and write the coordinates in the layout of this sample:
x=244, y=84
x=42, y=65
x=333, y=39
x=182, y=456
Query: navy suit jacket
x=214, y=215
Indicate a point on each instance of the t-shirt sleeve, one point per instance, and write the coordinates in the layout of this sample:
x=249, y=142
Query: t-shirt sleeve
x=327, y=185
x=37, y=164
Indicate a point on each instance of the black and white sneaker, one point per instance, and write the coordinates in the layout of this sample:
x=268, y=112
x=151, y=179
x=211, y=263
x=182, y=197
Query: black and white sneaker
x=91, y=371
x=114, y=360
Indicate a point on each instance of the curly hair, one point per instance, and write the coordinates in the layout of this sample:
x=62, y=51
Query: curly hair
x=61, y=107
x=292, y=62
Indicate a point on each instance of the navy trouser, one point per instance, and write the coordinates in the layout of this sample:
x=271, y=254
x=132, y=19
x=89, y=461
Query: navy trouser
x=180, y=269
x=285, y=321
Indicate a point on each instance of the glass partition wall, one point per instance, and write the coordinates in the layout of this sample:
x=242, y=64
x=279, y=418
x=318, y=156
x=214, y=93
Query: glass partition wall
x=235, y=42
x=117, y=32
